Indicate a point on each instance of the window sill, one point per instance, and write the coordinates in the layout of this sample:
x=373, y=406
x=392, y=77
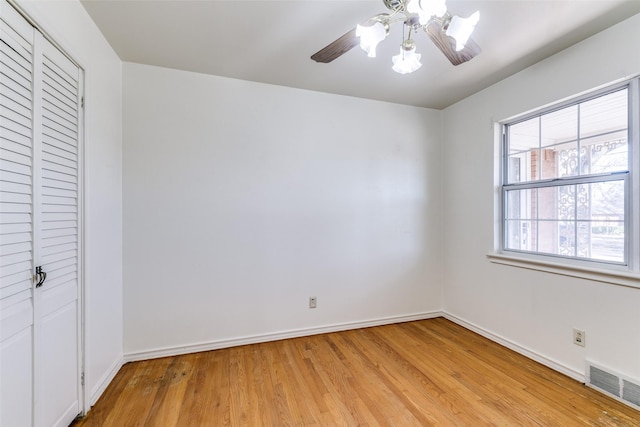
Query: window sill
x=615, y=277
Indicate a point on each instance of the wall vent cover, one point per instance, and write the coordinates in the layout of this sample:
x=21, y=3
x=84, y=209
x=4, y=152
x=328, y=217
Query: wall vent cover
x=604, y=380
x=631, y=392
x=614, y=384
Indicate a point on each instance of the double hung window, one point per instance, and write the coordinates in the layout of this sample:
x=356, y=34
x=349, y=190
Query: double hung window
x=568, y=180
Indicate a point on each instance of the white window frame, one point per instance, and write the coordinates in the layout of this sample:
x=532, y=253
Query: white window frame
x=626, y=274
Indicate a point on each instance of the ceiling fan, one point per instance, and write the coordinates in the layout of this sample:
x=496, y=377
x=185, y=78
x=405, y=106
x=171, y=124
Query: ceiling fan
x=450, y=33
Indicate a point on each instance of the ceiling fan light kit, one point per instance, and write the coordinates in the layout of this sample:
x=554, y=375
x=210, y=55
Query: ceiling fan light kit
x=450, y=33
x=460, y=29
x=407, y=61
x=372, y=35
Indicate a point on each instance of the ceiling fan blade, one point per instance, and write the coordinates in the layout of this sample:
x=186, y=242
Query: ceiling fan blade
x=448, y=45
x=336, y=48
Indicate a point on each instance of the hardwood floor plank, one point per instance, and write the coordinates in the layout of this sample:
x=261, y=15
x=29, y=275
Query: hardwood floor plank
x=423, y=373
x=477, y=383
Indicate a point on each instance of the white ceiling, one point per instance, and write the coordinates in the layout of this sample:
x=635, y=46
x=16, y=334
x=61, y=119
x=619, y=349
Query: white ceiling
x=271, y=41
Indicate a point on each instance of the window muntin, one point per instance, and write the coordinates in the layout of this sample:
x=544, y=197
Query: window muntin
x=566, y=181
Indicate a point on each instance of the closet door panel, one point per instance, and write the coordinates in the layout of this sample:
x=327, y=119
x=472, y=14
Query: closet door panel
x=57, y=243
x=16, y=219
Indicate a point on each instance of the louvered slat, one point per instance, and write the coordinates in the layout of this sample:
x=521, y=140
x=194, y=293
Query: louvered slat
x=61, y=109
x=61, y=161
x=15, y=284
x=15, y=248
x=60, y=192
x=12, y=186
x=60, y=153
x=55, y=137
x=57, y=225
x=53, y=122
x=15, y=169
x=51, y=176
x=58, y=200
x=8, y=137
x=59, y=256
x=14, y=208
x=12, y=147
x=59, y=168
x=61, y=264
x=19, y=257
x=57, y=232
x=56, y=94
x=59, y=112
x=49, y=188
x=59, y=240
x=14, y=157
x=7, y=197
x=16, y=103
x=52, y=217
x=59, y=248
x=5, y=229
x=13, y=238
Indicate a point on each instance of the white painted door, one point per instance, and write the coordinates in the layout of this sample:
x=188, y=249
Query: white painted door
x=39, y=223
x=16, y=219
x=56, y=309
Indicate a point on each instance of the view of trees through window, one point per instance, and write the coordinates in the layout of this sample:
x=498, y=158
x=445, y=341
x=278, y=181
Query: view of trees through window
x=566, y=179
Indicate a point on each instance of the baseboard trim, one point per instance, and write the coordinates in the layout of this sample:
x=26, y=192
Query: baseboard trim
x=550, y=363
x=294, y=333
x=104, y=381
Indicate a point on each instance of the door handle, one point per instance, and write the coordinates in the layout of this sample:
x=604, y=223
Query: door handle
x=41, y=276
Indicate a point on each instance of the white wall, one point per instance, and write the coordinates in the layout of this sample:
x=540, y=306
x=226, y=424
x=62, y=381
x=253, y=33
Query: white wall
x=241, y=200
x=68, y=23
x=533, y=310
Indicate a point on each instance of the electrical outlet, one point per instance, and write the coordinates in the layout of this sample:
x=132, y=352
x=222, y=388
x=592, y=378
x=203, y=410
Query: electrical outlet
x=579, y=337
x=313, y=302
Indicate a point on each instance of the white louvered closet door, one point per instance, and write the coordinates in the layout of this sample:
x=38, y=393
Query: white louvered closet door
x=56, y=237
x=39, y=194
x=16, y=219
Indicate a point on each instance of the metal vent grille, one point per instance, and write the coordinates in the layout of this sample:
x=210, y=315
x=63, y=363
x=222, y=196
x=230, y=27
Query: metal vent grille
x=631, y=392
x=604, y=380
x=614, y=384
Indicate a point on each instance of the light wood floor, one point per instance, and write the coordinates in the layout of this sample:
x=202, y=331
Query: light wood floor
x=430, y=372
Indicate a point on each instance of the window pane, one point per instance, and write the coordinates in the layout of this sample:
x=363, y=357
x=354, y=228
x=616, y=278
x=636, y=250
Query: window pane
x=557, y=238
x=559, y=127
x=566, y=160
x=559, y=135
x=605, y=153
x=601, y=201
x=566, y=202
x=601, y=215
x=607, y=241
x=605, y=114
x=520, y=204
x=603, y=133
x=518, y=235
x=566, y=238
x=524, y=140
x=548, y=203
